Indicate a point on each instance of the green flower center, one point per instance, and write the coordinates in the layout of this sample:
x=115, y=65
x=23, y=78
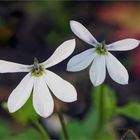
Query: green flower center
x=101, y=48
x=37, y=69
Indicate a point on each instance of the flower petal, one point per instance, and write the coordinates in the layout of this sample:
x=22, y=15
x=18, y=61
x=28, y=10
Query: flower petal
x=62, y=89
x=21, y=93
x=98, y=70
x=7, y=67
x=82, y=33
x=123, y=45
x=116, y=70
x=42, y=99
x=61, y=53
x=81, y=61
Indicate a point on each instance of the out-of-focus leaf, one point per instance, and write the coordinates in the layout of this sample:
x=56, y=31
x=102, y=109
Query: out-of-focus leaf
x=26, y=113
x=29, y=134
x=106, y=133
x=3, y=128
x=90, y=122
x=76, y=130
x=108, y=102
x=131, y=110
x=7, y=134
x=85, y=129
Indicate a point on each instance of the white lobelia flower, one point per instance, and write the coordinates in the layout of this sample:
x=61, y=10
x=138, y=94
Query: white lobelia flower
x=100, y=57
x=40, y=81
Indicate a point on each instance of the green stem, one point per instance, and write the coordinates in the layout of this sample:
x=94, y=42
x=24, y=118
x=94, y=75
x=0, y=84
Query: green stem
x=62, y=121
x=101, y=111
x=41, y=130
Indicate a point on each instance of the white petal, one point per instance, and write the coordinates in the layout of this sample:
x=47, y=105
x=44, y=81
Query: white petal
x=82, y=33
x=123, y=45
x=98, y=70
x=42, y=99
x=7, y=67
x=116, y=70
x=81, y=61
x=61, y=53
x=21, y=93
x=62, y=89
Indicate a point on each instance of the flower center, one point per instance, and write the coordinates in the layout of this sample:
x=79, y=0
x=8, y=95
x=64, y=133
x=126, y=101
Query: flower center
x=37, y=69
x=101, y=48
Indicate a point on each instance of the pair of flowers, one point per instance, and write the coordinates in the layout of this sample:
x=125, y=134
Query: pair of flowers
x=39, y=81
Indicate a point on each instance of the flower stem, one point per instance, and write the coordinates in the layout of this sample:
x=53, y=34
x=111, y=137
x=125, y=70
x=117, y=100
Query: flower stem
x=62, y=121
x=41, y=130
x=101, y=111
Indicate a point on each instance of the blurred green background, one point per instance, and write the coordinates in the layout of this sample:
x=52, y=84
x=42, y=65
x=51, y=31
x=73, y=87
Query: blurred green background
x=31, y=29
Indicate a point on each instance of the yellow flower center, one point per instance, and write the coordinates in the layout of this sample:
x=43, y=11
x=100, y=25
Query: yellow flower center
x=37, y=69
x=101, y=48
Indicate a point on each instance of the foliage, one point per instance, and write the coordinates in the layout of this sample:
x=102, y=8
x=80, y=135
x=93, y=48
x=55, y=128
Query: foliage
x=7, y=133
x=131, y=110
x=26, y=113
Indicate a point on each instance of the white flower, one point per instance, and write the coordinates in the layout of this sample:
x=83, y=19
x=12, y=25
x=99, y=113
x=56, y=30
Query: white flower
x=100, y=57
x=40, y=81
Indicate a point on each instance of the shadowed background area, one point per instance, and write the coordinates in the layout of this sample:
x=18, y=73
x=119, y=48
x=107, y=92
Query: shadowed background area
x=37, y=28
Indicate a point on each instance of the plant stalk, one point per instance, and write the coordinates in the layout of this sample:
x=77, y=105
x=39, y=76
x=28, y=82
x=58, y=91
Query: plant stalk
x=101, y=112
x=41, y=130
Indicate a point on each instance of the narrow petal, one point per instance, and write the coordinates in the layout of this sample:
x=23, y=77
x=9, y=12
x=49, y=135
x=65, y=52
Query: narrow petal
x=98, y=70
x=62, y=89
x=21, y=93
x=124, y=45
x=79, y=30
x=42, y=99
x=116, y=70
x=61, y=53
x=11, y=67
x=81, y=61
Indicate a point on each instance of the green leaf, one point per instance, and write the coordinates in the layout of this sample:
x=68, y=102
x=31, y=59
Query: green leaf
x=131, y=110
x=107, y=107
x=29, y=134
x=85, y=129
x=81, y=129
x=76, y=130
x=26, y=113
x=6, y=133
x=3, y=129
x=90, y=122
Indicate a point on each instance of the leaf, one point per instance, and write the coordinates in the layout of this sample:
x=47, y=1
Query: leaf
x=81, y=129
x=7, y=134
x=107, y=107
x=131, y=110
x=76, y=130
x=26, y=113
x=85, y=129
x=30, y=134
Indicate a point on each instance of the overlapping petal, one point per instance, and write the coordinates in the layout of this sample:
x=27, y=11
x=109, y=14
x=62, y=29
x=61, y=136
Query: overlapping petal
x=123, y=45
x=98, y=70
x=61, y=53
x=116, y=70
x=42, y=99
x=81, y=61
x=11, y=67
x=82, y=33
x=62, y=89
x=21, y=93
